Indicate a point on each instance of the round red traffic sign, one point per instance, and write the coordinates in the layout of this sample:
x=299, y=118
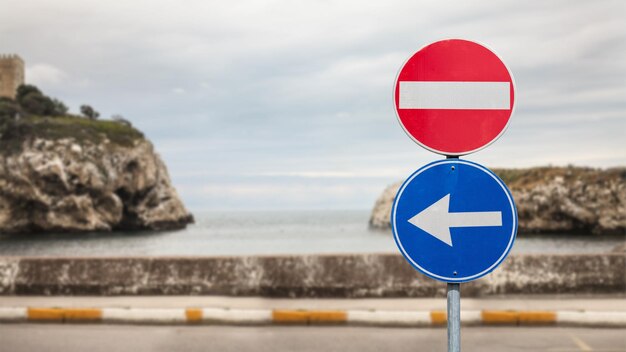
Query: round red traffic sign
x=454, y=97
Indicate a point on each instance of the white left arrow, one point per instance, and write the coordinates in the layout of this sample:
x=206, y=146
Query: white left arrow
x=437, y=219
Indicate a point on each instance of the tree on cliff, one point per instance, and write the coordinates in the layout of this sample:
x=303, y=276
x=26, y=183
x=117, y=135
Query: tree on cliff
x=30, y=100
x=59, y=107
x=8, y=108
x=89, y=112
x=33, y=101
x=120, y=119
x=25, y=89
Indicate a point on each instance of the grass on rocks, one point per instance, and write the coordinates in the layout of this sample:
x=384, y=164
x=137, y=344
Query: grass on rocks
x=530, y=177
x=82, y=130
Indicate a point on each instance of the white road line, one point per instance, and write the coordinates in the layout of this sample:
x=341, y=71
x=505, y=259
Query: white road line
x=580, y=343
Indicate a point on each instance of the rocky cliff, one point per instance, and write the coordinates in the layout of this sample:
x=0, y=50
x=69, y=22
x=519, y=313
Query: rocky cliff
x=552, y=199
x=73, y=174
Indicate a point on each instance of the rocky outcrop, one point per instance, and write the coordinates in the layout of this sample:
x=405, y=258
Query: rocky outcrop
x=67, y=182
x=552, y=199
x=381, y=214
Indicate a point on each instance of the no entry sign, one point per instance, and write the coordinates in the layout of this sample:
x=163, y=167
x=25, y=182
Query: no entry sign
x=454, y=97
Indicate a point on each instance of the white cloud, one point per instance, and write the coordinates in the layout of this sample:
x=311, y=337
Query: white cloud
x=45, y=74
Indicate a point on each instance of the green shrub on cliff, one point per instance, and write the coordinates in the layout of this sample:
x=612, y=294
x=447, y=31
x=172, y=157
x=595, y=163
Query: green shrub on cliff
x=8, y=108
x=89, y=112
x=531, y=177
x=14, y=132
x=34, y=115
x=60, y=109
x=33, y=101
x=29, y=100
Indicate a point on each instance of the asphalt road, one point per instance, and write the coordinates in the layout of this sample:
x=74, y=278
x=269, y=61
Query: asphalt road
x=96, y=338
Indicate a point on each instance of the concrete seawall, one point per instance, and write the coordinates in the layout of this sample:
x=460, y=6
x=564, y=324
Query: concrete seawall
x=372, y=275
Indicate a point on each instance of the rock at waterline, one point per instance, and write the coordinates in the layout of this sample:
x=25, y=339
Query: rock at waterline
x=69, y=174
x=552, y=199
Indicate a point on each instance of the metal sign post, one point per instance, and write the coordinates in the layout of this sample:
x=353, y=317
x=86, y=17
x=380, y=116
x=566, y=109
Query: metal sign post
x=454, y=310
x=454, y=317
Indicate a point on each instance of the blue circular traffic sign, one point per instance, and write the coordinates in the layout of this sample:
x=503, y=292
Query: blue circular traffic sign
x=454, y=220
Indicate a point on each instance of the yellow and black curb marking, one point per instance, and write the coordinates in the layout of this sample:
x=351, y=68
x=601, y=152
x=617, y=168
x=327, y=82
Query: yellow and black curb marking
x=305, y=317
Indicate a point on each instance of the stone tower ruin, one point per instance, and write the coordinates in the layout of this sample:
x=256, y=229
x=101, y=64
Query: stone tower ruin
x=11, y=74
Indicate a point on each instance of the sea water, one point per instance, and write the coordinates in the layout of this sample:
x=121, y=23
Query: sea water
x=265, y=233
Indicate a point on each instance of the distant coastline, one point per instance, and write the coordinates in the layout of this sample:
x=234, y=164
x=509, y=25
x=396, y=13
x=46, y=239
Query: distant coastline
x=552, y=200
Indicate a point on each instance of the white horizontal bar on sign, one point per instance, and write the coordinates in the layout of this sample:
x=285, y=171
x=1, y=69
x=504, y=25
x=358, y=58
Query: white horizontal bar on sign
x=454, y=95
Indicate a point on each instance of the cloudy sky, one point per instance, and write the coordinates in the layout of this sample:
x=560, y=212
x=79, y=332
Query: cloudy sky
x=287, y=104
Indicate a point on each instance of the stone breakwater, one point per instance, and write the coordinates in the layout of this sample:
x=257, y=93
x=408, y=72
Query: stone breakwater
x=552, y=199
x=352, y=276
x=67, y=185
